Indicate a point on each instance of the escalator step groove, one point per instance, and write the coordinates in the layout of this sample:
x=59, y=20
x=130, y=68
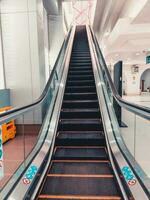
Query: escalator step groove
x=80, y=167
x=80, y=186
x=82, y=153
x=79, y=113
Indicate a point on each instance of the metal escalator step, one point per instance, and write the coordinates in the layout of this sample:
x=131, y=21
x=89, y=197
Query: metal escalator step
x=81, y=57
x=79, y=113
x=80, y=153
x=81, y=72
x=56, y=197
x=80, y=60
x=80, y=64
x=80, y=69
x=80, y=186
x=80, y=52
x=80, y=167
x=80, y=96
x=80, y=77
x=80, y=104
x=80, y=89
x=80, y=125
x=76, y=59
x=80, y=138
x=81, y=83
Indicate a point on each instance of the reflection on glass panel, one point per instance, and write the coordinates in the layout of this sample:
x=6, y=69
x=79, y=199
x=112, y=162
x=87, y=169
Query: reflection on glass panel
x=14, y=143
x=142, y=144
x=32, y=126
x=128, y=132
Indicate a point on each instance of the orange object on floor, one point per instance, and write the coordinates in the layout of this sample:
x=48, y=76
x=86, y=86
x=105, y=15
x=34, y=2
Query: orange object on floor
x=9, y=128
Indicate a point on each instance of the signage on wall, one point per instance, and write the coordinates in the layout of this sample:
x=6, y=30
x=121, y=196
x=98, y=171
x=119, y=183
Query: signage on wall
x=134, y=69
x=1, y=155
x=29, y=175
x=148, y=59
x=129, y=176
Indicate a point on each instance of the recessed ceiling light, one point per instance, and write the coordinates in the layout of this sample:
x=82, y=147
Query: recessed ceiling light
x=137, y=54
x=107, y=33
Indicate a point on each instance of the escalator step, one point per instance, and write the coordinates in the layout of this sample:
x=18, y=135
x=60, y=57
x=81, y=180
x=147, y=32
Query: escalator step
x=80, y=96
x=81, y=72
x=80, y=89
x=78, y=55
x=73, y=63
x=80, y=77
x=79, y=113
x=86, y=68
x=80, y=125
x=81, y=60
x=78, y=138
x=78, y=51
x=80, y=167
x=81, y=153
x=80, y=186
x=80, y=104
x=81, y=65
x=80, y=83
x=47, y=197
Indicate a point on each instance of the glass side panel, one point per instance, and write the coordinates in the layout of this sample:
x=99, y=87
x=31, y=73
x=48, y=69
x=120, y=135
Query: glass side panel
x=132, y=132
x=30, y=131
x=13, y=149
x=142, y=144
x=128, y=130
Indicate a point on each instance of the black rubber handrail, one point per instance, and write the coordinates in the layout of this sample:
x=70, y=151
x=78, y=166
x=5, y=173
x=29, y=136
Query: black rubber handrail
x=22, y=109
x=137, y=109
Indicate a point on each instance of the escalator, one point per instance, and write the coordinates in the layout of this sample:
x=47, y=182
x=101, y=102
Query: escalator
x=80, y=167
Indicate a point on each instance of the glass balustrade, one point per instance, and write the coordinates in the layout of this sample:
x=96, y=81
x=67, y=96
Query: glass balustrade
x=31, y=128
x=132, y=130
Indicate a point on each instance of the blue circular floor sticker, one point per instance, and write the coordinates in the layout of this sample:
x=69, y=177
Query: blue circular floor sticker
x=30, y=174
x=128, y=175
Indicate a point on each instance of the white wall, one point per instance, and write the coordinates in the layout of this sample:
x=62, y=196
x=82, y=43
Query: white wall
x=2, y=82
x=23, y=48
x=46, y=45
x=132, y=81
x=56, y=37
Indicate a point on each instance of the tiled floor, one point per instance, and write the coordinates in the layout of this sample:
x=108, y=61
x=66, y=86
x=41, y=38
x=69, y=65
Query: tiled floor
x=137, y=134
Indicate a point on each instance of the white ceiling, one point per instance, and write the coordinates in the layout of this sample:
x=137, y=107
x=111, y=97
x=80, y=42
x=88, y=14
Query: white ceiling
x=124, y=30
x=122, y=26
